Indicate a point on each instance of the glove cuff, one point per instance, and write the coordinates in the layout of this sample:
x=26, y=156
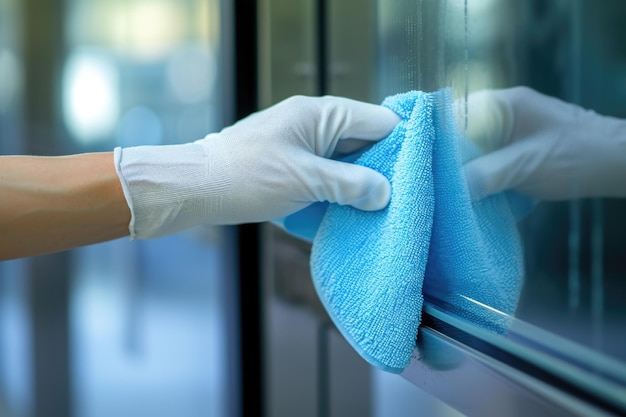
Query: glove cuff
x=170, y=188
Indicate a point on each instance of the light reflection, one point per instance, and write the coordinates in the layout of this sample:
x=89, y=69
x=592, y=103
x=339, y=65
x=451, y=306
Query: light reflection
x=90, y=96
x=10, y=79
x=482, y=75
x=480, y=6
x=147, y=29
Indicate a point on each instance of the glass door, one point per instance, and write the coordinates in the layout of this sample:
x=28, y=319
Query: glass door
x=570, y=322
x=571, y=301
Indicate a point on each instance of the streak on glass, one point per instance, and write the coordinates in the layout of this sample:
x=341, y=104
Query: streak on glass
x=466, y=29
x=575, y=208
x=420, y=37
x=441, y=56
x=597, y=271
x=574, y=255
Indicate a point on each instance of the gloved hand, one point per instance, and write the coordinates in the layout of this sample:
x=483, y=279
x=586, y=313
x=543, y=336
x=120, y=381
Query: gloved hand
x=543, y=147
x=268, y=165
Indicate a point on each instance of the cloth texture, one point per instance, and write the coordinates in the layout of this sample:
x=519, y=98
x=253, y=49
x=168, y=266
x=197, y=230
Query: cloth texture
x=372, y=270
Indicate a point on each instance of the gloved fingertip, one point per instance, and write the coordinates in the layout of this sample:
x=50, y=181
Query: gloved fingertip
x=476, y=192
x=376, y=195
x=475, y=181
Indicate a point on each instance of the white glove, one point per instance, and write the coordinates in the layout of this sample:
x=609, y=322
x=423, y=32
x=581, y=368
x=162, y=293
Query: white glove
x=268, y=165
x=543, y=147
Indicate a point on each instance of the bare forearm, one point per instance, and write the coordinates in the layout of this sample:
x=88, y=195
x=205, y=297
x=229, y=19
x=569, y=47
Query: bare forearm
x=49, y=204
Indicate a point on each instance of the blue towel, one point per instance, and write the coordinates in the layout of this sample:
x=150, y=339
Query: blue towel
x=372, y=269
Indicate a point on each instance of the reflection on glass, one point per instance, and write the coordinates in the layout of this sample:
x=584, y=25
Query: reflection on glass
x=11, y=76
x=91, y=96
x=574, y=283
x=10, y=79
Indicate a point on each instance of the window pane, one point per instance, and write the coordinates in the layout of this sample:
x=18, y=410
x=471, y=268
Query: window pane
x=574, y=281
x=149, y=318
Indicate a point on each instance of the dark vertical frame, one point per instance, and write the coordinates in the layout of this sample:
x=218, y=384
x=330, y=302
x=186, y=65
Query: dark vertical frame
x=321, y=29
x=48, y=276
x=245, y=32
x=245, y=57
x=49, y=299
x=321, y=67
x=250, y=321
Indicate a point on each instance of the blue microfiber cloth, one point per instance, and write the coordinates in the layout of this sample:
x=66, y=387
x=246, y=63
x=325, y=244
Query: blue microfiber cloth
x=371, y=269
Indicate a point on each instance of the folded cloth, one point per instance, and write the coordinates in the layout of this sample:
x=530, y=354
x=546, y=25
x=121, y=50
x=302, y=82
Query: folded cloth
x=371, y=269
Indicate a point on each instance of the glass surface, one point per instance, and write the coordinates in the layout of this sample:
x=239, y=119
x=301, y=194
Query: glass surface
x=286, y=50
x=141, y=72
x=11, y=76
x=151, y=327
x=572, y=304
x=15, y=340
x=149, y=319
x=575, y=282
x=149, y=324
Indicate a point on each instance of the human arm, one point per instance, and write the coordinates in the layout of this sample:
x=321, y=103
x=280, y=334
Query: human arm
x=543, y=147
x=268, y=165
x=48, y=204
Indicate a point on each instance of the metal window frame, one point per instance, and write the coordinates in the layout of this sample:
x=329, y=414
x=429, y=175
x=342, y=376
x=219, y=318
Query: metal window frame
x=527, y=371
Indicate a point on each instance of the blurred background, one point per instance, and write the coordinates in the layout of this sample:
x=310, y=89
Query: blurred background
x=220, y=321
x=119, y=329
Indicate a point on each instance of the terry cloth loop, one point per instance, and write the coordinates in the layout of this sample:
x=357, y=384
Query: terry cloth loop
x=371, y=269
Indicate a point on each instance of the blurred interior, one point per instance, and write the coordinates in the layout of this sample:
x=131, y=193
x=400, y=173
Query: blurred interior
x=151, y=328
x=122, y=328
